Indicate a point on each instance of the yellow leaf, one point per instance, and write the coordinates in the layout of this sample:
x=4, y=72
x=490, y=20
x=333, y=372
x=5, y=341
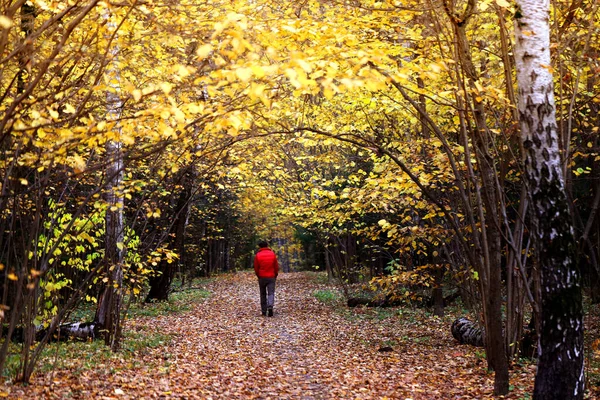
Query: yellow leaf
x=548, y=67
x=434, y=67
x=181, y=70
x=69, y=109
x=137, y=94
x=78, y=163
x=13, y=277
x=328, y=93
x=259, y=72
x=24, y=182
x=304, y=65
x=127, y=139
x=244, y=74
x=503, y=3
x=166, y=87
x=178, y=114
x=5, y=23
x=235, y=122
x=257, y=90
x=203, y=51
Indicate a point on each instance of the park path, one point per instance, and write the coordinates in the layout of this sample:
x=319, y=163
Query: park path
x=224, y=349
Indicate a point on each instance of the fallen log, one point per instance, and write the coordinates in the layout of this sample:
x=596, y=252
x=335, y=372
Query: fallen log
x=388, y=302
x=81, y=331
x=467, y=332
x=364, y=301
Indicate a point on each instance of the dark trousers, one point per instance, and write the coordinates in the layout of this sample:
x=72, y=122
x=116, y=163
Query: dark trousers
x=267, y=293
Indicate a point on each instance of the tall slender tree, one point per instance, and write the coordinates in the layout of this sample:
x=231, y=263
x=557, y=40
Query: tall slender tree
x=560, y=372
x=109, y=306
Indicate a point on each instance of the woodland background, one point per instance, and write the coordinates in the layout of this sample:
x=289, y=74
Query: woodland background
x=144, y=141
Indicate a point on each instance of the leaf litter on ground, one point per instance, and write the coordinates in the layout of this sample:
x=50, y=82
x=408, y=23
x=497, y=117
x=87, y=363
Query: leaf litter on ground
x=222, y=348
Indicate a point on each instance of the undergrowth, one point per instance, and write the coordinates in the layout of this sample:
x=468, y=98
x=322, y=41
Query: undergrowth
x=82, y=356
x=327, y=296
x=320, y=277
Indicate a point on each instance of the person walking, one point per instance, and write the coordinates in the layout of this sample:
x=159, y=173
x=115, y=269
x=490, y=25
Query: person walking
x=266, y=268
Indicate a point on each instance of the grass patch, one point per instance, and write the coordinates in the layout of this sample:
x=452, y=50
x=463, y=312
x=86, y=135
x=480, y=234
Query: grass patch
x=83, y=356
x=141, y=341
x=180, y=301
x=327, y=296
x=409, y=315
x=12, y=363
x=384, y=313
x=85, y=311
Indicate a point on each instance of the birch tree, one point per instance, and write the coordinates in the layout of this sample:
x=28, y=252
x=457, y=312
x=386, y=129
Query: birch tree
x=560, y=372
x=109, y=306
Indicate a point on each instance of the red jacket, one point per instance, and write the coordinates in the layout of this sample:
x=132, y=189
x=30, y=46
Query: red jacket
x=265, y=263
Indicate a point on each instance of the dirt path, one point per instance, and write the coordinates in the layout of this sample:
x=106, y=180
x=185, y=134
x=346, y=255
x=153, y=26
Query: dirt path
x=225, y=349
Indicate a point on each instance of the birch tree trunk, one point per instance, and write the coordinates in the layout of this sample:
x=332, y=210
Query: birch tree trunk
x=109, y=305
x=560, y=372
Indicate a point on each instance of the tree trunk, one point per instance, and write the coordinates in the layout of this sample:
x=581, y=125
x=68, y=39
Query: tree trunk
x=108, y=313
x=490, y=269
x=438, y=293
x=328, y=266
x=560, y=373
x=109, y=305
x=160, y=285
x=30, y=297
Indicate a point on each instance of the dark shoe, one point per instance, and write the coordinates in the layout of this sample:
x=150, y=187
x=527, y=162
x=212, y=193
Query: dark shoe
x=269, y=312
x=264, y=313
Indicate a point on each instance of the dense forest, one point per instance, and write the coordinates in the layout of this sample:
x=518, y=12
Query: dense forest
x=419, y=152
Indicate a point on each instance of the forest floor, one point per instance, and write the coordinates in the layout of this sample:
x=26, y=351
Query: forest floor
x=222, y=348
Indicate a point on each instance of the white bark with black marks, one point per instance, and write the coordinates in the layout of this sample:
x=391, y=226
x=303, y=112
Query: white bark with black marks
x=467, y=332
x=560, y=367
x=109, y=306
